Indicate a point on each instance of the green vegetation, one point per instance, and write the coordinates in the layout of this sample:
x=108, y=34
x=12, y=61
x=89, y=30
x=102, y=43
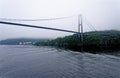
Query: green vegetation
x=92, y=40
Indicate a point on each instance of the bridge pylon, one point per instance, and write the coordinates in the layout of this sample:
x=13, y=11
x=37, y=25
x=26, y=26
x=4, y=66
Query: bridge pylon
x=80, y=28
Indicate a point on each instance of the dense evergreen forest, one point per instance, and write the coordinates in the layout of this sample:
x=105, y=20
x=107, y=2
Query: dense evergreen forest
x=92, y=40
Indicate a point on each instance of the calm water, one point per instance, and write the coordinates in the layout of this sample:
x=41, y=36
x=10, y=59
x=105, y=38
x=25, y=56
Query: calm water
x=46, y=62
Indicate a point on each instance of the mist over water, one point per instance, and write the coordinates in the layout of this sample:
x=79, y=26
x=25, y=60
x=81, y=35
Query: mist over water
x=46, y=62
x=27, y=61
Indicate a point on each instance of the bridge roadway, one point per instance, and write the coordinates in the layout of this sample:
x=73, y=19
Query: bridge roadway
x=35, y=26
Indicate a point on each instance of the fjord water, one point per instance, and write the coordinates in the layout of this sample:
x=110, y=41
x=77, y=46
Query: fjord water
x=47, y=62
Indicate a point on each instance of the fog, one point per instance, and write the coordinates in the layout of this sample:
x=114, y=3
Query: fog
x=102, y=14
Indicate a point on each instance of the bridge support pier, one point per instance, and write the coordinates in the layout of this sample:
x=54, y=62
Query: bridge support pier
x=80, y=31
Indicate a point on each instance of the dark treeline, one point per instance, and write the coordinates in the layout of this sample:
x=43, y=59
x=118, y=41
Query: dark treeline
x=95, y=40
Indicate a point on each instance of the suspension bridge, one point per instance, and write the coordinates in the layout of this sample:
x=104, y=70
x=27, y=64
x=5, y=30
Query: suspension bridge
x=79, y=32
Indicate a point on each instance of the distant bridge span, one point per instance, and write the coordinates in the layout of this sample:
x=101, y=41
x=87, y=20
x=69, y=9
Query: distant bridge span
x=79, y=32
x=35, y=26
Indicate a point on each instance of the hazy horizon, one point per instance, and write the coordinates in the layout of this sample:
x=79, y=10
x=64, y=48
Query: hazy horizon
x=102, y=14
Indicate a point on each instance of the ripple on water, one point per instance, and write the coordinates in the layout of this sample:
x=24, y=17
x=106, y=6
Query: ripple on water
x=47, y=62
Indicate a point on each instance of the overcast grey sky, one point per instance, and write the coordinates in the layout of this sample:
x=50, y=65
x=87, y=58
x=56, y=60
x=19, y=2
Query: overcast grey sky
x=102, y=14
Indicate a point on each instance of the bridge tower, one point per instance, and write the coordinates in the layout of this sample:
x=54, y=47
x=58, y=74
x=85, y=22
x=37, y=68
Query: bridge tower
x=80, y=27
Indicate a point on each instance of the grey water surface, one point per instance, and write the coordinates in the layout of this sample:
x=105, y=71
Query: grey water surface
x=20, y=61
